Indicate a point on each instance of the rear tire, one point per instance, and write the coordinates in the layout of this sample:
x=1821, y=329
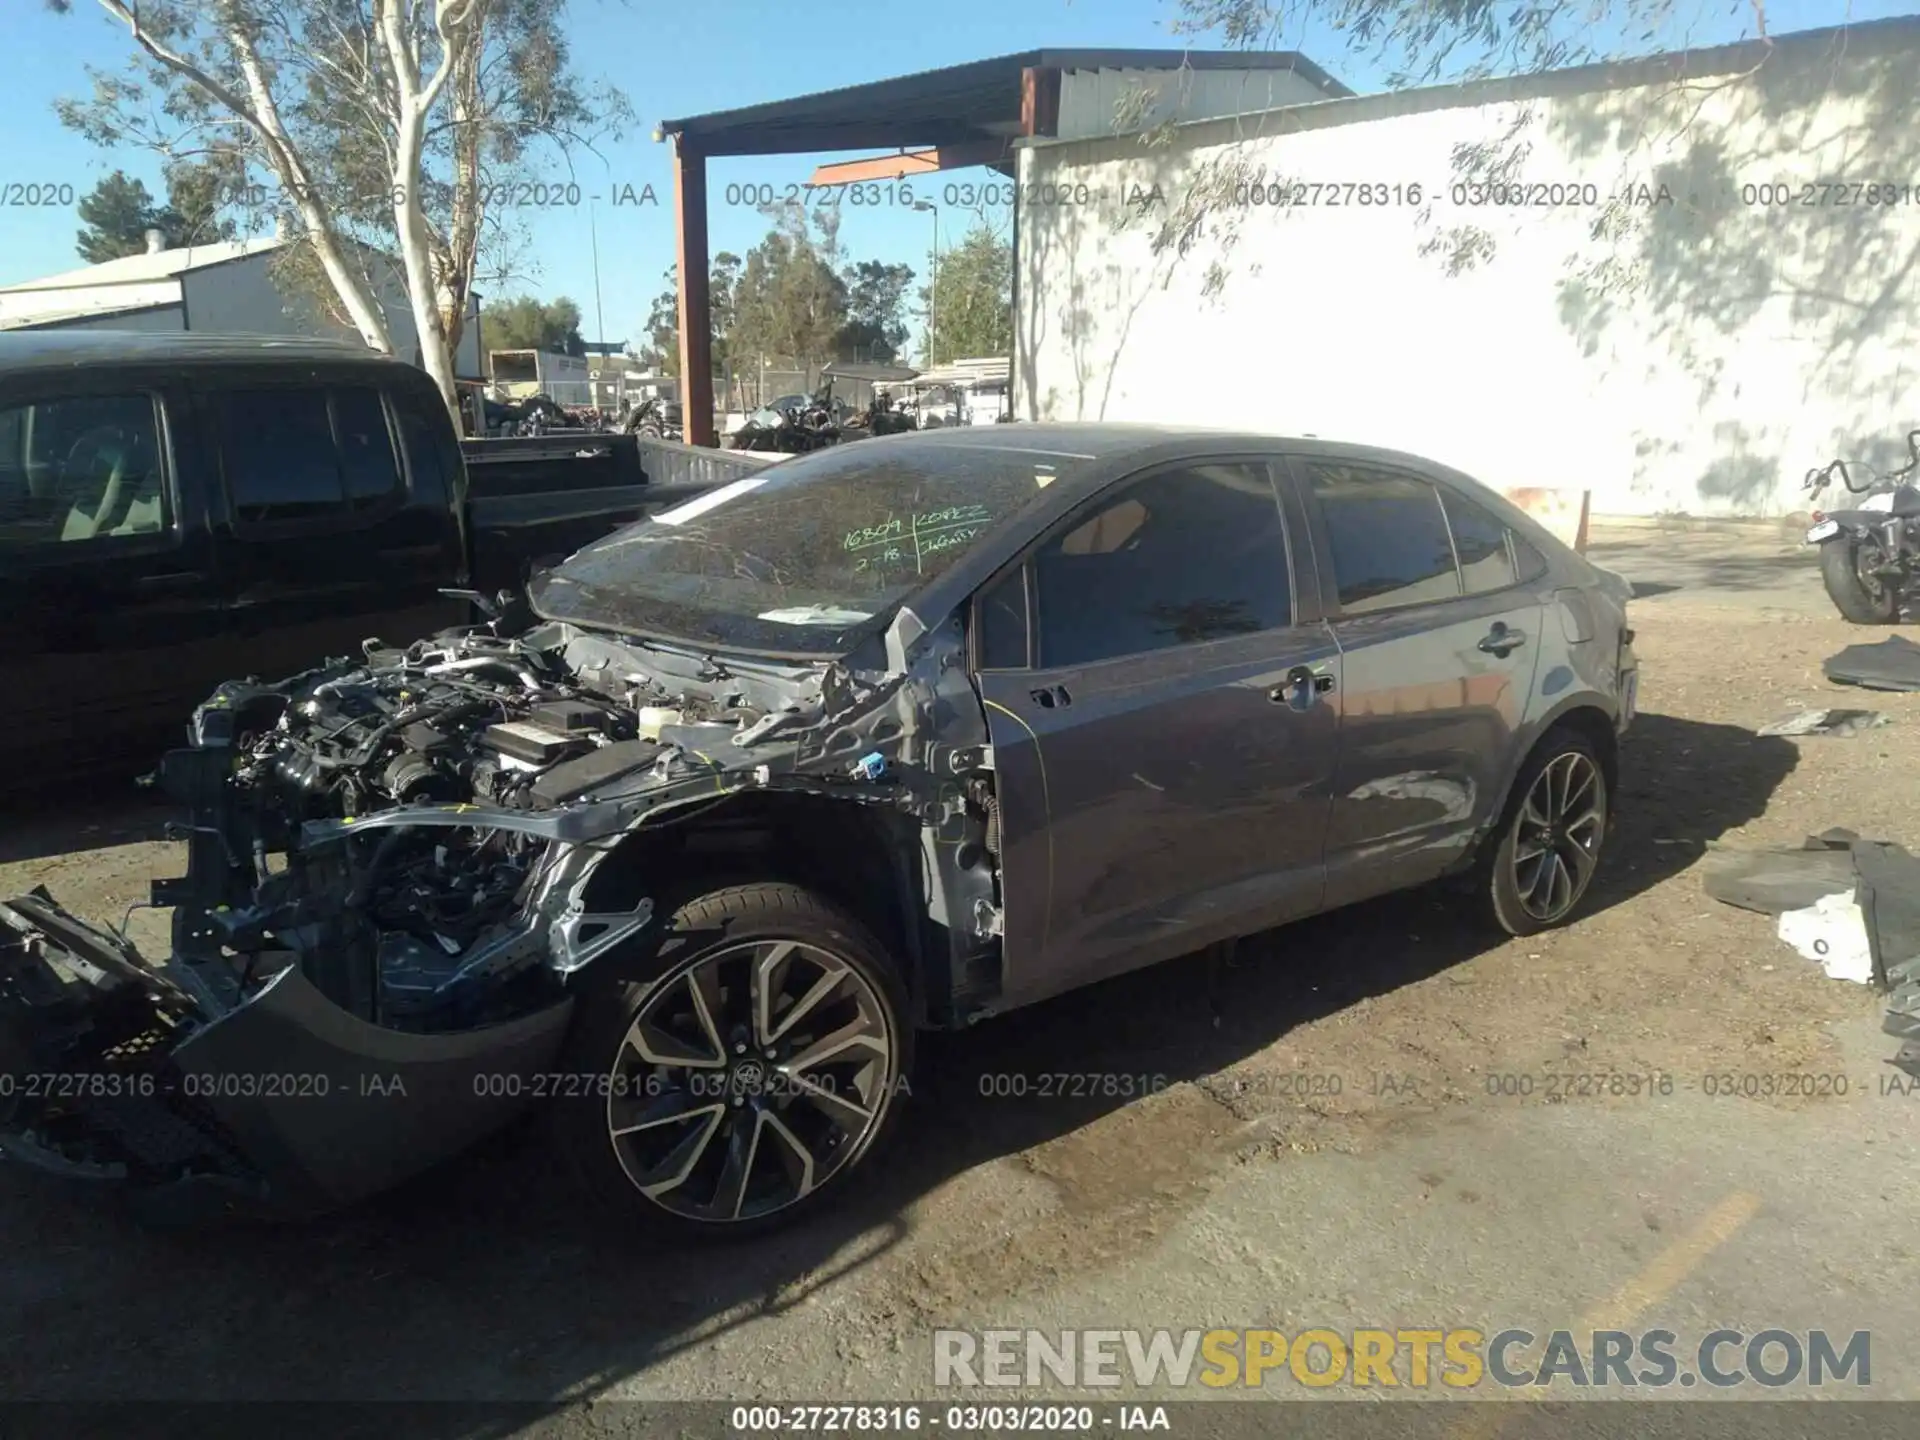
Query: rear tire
x=790, y=1021
x=1852, y=595
x=1542, y=861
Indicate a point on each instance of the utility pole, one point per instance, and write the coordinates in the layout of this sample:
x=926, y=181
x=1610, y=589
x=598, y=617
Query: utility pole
x=933, y=275
x=593, y=238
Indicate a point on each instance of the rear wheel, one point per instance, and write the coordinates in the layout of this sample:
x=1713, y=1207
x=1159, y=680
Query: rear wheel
x=1861, y=596
x=1549, y=845
x=740, y=1083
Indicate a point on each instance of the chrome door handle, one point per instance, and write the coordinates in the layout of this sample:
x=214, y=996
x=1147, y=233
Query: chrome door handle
x=1501, y=640
x=1300, y=686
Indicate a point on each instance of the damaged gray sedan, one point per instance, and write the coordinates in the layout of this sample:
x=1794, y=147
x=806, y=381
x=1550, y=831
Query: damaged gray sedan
x=686, y=844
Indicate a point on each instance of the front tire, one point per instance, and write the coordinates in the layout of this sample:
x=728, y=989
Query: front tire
x=1863, y=601
x=756, y=1063
x=1550, y=839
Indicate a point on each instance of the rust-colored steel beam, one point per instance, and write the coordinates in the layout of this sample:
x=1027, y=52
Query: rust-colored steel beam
x=911, y=162
x=1039, y=101
x=696, y=304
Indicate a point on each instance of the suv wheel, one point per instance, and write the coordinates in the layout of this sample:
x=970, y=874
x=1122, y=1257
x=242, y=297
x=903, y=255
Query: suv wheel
x=755, y=1067
x=1548, y=848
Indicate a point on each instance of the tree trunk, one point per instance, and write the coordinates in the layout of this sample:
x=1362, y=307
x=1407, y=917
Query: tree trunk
x=410, y=226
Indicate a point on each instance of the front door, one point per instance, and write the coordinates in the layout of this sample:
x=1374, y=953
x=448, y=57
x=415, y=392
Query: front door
x=1163, y=748
x=1438, y=644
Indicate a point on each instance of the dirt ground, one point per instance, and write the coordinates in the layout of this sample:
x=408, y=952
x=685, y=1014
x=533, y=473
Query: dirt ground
x=1332, y=1137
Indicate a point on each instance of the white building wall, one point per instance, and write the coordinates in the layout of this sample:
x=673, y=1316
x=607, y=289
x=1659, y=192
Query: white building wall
x=1700, y=361
x=1106, y=102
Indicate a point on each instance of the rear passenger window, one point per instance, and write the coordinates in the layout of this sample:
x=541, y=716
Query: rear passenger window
x=1480, y=541
x=1388, y=535
x=306, y=454
x=1179, y=558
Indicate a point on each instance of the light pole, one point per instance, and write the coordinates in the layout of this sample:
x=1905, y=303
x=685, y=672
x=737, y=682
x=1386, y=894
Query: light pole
x=933, y=276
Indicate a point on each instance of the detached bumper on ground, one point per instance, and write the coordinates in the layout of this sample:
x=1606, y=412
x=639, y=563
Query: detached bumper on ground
x=285, y=1105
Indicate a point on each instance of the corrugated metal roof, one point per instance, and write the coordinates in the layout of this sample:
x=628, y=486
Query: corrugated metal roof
x=978, y=100
x=145, y=269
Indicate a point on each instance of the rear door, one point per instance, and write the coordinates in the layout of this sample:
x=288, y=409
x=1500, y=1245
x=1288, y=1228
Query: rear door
x=331, y=532
x=1439, y=637
x=1157, y=691
x=114, y=615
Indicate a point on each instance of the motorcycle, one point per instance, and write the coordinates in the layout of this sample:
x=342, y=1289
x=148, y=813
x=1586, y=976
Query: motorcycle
x=1870, y=553
x=790, y=431
x=655, y=418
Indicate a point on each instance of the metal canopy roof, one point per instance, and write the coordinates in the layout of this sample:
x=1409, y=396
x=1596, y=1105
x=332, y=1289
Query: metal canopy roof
x=960, y=103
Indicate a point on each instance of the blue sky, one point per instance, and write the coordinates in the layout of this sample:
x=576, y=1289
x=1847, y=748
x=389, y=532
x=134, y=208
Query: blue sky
x=676, y=60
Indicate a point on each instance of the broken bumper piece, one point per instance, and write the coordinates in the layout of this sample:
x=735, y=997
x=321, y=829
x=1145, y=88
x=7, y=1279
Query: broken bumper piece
x=283, y=1106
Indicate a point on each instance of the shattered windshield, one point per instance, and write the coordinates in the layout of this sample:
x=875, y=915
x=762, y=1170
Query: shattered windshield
x=803, y=557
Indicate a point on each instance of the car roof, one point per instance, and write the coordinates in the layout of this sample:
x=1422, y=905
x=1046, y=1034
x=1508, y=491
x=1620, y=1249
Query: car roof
x=30, y=350
x=1117, y=441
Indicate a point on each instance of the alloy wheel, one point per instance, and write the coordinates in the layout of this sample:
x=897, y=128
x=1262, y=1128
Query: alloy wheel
x=1561, y=824
x=749, y=1079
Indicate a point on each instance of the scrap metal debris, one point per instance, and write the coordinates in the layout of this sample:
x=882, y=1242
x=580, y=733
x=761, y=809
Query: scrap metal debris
x=1893, y=664
x=1817, y=890
x=1826, y=722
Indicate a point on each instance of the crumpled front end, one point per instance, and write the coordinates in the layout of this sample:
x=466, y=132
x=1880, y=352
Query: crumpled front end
x=391, y=900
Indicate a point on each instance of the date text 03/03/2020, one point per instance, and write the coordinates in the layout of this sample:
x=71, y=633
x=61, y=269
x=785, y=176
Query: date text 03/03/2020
x=963, y=1419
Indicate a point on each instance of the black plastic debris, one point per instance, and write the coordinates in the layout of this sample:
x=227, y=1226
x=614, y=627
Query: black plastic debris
x=1903, y=1015
x=1826, y=722
x=1893, y=664
x=1883, y=879
x=1774, y=881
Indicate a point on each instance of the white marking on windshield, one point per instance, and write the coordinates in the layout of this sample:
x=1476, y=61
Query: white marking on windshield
x=712, y=500
x=815, y=615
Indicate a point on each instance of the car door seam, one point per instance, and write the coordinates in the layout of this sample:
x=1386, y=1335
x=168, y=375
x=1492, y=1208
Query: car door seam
x=1046, y=801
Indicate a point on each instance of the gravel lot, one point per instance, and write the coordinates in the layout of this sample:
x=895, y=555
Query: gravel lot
x=1326, y=1151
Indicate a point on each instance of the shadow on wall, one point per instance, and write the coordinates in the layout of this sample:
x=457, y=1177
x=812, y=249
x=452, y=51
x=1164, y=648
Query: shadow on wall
x=1741, y=216
x=1793, y=205
x=1082, y=263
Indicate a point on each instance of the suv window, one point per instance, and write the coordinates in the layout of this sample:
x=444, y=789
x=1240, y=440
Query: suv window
x=300, y=454
x=86, y=467
x=1178, y=558
x=1480, y=541
x=1388, y=536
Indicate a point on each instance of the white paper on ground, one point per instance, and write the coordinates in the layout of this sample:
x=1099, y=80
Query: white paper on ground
x=1832, y=931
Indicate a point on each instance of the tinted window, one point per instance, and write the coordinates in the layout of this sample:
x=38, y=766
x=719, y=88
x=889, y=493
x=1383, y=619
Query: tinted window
x=82, y=468
x=1481, y=543
x=1180, y=558
x=367, y=464
x=301, y=454
x=1003, y=623
x=1388, y=536
x=1530, y=562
